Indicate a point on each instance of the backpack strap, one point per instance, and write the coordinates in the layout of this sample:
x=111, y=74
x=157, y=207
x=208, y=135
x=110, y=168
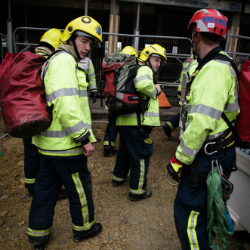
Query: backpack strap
x=213, y=56
x=46, y=64
x=43, y=73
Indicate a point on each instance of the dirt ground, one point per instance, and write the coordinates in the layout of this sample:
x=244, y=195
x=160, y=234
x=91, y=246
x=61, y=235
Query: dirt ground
x=144, y=225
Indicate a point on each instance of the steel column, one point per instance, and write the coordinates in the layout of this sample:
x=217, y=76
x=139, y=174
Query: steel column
x=9, y=28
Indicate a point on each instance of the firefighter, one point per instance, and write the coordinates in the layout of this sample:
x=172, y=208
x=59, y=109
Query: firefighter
x=136, y=146
x=66, y=144
x=211, y=93
x=109, y=150
x=48, y=43
x=188, y=68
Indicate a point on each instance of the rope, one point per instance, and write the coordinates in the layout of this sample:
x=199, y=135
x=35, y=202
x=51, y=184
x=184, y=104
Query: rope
x=3, y=136
x=171, y=183
x=216, y=210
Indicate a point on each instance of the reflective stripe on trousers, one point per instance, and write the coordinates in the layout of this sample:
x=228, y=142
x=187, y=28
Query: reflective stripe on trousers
x=141, y=179
x=84, y=204
x=106, y=143
x=38, y=233
x=117, y=178
x=30, y=181
x=192, y=236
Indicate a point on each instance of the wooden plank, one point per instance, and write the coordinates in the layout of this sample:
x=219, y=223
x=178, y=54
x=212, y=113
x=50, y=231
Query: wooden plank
x=117, y=22
x=230, y=47
x=111, y=20
x=236, y=41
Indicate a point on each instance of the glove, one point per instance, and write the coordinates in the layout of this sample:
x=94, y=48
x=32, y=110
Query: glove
x=174, y=169
x=94, y=96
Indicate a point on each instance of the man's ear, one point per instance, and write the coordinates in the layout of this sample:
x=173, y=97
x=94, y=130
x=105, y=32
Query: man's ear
x=198, y=37
x=70, y=42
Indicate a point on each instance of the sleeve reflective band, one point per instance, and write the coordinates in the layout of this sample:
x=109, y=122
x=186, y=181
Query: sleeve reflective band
x=83, y=93
x=153, y=93
x=76, y=128
x=62, y=92
x=186, y=150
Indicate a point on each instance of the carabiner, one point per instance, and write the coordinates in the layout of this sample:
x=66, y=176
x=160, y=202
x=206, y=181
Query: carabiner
x=220, y=170
x=205, y=148
x=212, y=164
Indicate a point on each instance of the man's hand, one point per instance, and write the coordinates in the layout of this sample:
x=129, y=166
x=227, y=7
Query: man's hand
x=89, y=149
x=158, y=87
x=174, y=169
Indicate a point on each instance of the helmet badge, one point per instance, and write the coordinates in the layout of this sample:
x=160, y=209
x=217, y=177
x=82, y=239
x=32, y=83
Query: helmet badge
x=98, y=30
x=86, y=20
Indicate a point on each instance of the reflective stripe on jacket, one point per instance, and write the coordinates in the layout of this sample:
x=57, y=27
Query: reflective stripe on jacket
x=69, y=126
x=144, y=84
x=213, y=91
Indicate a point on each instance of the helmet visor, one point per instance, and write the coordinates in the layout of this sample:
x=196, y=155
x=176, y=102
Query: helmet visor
x=81, y=33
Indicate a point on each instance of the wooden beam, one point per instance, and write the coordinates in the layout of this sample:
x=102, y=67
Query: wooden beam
x=111, y=22
x=231, y=40
x=200, y=4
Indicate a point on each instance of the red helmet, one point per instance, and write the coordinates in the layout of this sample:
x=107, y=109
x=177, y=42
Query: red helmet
x=211, y=21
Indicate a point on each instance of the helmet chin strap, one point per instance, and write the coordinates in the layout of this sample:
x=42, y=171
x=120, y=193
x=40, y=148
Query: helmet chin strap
x=150, y=63
x=76, y=50
x=194, y=55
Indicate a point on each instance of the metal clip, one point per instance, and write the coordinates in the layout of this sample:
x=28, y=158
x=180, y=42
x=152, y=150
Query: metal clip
x=205, y=148
x=220, y=170
x=227, y=186
x=212, y=163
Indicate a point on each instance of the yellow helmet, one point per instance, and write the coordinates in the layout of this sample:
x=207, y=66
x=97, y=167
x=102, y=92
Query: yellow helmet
x=52, y=37
x=130, y=51
x=86, y=26
x=153, y=50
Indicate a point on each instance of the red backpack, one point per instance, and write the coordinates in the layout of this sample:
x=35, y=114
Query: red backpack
x=122, y=98
x=22, y=95
x=242, y=125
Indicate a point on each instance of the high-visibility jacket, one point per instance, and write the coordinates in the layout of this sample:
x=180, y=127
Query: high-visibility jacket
x=145, y=85
x=88, y=67
x=66, y=90
x=213, y=91
x=188, y=68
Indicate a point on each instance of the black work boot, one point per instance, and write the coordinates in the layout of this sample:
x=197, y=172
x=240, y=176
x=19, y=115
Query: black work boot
x=31, y=192
x=63, y=193
x=113, y=151
x=118, y=183
x=40, y=247
x=94, y=231
x=139, y=197
x=167, y=130
x=110, y=152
